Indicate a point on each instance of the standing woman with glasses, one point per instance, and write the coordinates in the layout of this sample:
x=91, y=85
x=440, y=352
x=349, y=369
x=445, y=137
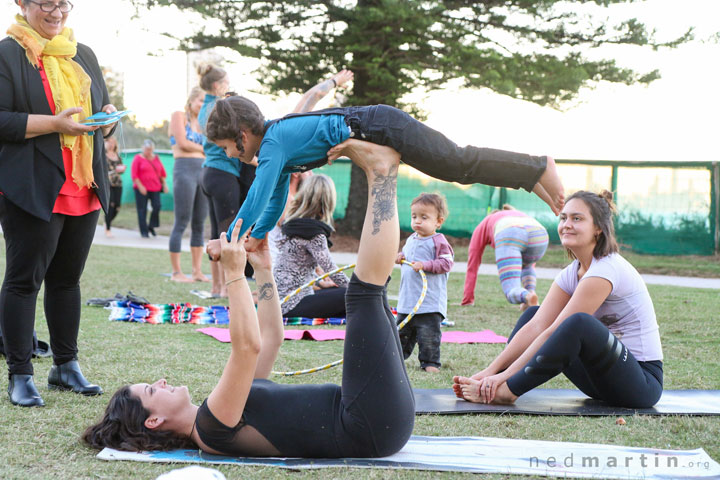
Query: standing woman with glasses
x=53, y=182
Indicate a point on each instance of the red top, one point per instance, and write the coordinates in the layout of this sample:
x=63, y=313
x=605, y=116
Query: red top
x=72, y=200
x=483, y=236
x=149, y=172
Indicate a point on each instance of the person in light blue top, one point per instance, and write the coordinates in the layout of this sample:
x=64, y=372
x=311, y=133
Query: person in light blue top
x=305, y=141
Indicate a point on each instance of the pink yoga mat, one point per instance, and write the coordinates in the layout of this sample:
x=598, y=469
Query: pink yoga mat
x=486, y=336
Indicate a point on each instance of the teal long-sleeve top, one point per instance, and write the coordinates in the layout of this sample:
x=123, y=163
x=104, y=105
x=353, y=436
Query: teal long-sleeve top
x=289, y=143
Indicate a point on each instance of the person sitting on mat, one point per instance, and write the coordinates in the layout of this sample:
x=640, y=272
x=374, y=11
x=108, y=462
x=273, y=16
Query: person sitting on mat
x=519, y=241
x=370, y=415
x=300, y=142
x=613, y=354
x=430, y=252
x=303, y=246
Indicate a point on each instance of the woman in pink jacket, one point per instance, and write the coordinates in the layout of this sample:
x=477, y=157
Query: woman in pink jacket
x=519, y=241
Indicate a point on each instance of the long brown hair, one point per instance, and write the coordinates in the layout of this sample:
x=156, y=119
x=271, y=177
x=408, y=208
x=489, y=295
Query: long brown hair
x=602, y=210
x=123, y=428
x=209, y=74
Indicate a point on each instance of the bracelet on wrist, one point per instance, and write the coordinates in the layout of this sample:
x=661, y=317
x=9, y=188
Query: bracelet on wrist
x=234, y=280
x=334, y=82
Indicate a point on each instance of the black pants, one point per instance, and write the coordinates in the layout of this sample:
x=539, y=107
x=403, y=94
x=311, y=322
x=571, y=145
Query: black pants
x=113, y=205
x=141, y=202
x=434, y=154
x=37, y=251
x=424, y=330
x=377, y=404
x=324, y=303
x=594, y=360
x=226, y=193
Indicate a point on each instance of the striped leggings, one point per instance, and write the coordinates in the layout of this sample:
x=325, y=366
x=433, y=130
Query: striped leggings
x=516, y=251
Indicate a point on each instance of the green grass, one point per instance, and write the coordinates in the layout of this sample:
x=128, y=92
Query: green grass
x=43, y=443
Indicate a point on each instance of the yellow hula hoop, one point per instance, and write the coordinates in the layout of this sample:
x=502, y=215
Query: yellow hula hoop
x=339, y=362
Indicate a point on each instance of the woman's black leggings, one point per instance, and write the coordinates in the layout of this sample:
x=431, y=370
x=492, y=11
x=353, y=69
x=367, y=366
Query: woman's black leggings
x=226, y=193
x=594, y=360
x=324, y=303
x=377, y=410
x=40, y=252
x=113, y=205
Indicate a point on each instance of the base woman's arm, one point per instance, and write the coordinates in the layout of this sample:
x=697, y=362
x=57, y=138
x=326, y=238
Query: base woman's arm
x=228, y=398
x=268, y=310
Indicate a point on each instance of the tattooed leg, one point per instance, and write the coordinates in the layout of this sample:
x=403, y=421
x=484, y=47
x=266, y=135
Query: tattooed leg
x=381, y=232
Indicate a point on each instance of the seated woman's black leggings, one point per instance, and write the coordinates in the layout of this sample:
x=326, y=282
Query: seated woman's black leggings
x=594, y=360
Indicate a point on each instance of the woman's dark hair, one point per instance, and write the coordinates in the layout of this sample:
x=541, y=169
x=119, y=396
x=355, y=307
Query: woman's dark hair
x=231, y=116
x=123, y=428
x=210, y=74
x=602, y=210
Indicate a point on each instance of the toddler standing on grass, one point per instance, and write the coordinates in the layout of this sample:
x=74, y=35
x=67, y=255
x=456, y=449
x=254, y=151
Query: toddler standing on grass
x=429, y=251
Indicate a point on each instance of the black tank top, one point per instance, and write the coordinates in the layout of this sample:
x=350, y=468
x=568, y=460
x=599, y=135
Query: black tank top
x=299, y=420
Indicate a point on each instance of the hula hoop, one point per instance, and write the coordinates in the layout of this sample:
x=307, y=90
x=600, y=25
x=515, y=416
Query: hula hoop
x=339, y=362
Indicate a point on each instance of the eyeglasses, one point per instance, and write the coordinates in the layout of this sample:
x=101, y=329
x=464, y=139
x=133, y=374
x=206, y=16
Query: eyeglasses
x=49, y=7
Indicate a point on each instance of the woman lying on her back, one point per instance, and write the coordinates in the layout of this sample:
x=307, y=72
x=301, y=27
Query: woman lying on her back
x=370, y=415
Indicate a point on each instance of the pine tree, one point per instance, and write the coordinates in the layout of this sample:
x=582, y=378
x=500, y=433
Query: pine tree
x=535, y=50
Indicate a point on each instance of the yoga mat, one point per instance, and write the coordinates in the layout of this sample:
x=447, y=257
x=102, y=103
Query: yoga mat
x=485, y=455
x=568, y=402
x=486, y=336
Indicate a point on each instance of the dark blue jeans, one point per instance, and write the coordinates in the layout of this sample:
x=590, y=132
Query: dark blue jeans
x=141, y=202
x=434, y=154
x=423, y=329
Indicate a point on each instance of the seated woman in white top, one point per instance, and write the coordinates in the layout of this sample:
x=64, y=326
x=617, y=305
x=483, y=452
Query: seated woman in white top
x=597, y=324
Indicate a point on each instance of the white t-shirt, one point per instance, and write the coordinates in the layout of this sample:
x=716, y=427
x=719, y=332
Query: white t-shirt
x=628, y=311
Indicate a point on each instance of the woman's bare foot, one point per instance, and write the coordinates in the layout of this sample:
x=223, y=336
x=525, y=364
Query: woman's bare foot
x=550, y=188
x=503, y=396
x=199, y=277
x=431, y=369
x=531, y=300
x=109, y=234
x=467, y=388
x=180, y=278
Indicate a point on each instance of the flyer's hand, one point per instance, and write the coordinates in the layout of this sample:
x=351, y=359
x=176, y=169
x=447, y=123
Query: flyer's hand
x=213, y=249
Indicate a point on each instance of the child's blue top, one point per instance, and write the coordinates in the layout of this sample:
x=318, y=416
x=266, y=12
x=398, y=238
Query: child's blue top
x=215, y=156
x=291, y=142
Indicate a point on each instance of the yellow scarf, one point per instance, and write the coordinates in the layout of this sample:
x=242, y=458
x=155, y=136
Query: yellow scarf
x=70, y=86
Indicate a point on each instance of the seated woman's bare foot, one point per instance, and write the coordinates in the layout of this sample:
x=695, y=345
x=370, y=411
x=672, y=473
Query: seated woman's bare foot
x=467, y=388
x=180, y=277
x=503, y=396
x=199, y=277
x=431, y=369
x=551, y=189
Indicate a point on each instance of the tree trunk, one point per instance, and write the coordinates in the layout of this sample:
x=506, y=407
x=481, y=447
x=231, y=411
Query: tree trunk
x=357, y=204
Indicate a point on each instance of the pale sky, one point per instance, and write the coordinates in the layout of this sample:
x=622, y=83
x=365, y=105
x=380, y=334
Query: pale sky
x=675, y=118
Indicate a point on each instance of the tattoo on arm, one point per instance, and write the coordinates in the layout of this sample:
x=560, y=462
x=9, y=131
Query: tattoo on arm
x=318, y=92
x=266, y=291
x=383, y=192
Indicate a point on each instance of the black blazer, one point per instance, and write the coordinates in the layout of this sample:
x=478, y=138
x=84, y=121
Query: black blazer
x=32, y=171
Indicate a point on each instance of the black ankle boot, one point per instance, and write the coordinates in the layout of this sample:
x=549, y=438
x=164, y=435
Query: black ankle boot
x=69, y=377
x=22, y=391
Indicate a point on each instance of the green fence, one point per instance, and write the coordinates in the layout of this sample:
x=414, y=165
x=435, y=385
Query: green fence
x=666, y=208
